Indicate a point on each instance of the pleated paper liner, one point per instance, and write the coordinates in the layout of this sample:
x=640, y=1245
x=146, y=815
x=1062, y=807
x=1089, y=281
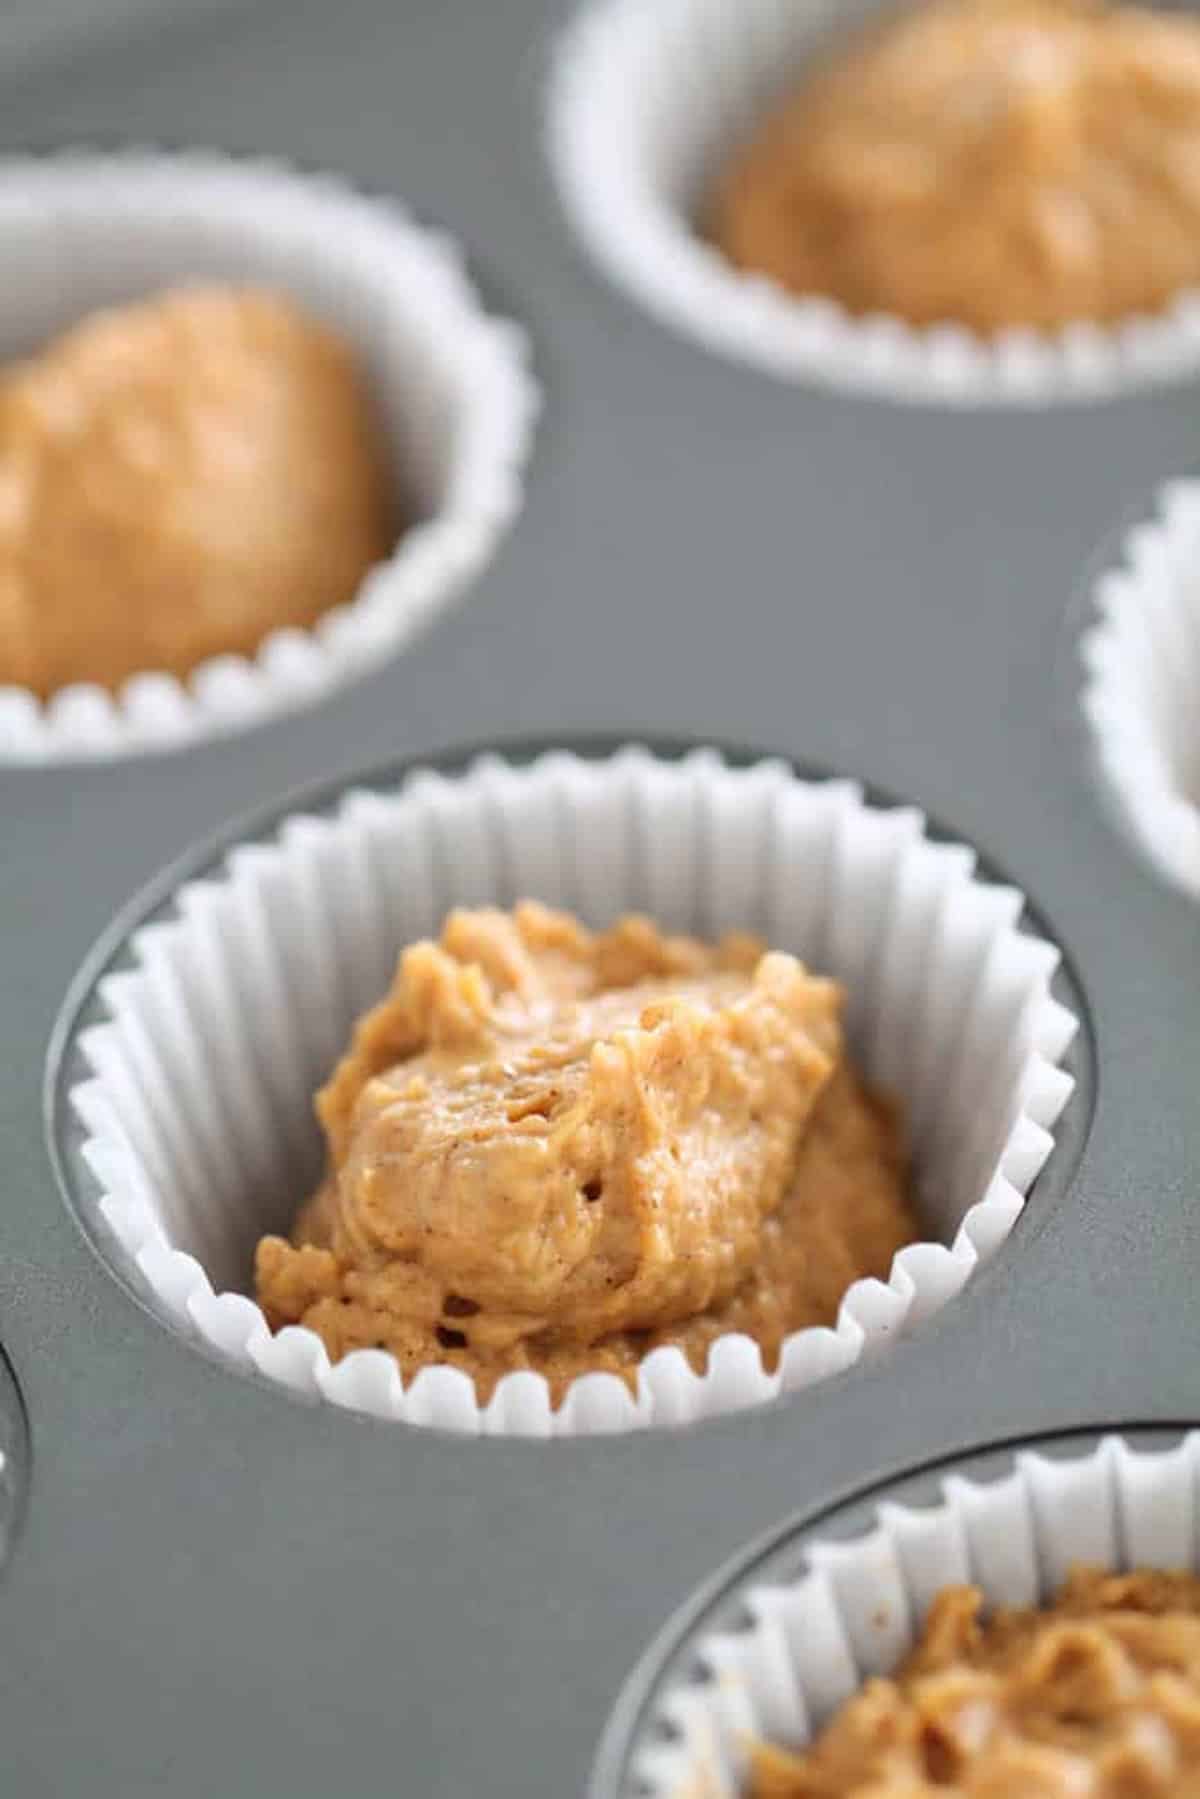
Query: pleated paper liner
x=1140, y=696
x=644, y=103
x=234, y=1007
x=788, y=1651
x=83, y=231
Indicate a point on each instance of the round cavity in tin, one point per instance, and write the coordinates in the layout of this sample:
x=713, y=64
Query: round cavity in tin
x=14, y=1460
x=770, y=1647
x=451, y=385
x=185, y=1062
x=646, y=101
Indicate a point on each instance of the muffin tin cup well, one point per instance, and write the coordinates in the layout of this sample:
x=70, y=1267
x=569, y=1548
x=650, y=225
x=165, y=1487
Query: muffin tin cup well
x=187, y=1107
x=644, y=103
x=453, y=388
x=1140, y=690
x=797, y=1629
x=14, y=1460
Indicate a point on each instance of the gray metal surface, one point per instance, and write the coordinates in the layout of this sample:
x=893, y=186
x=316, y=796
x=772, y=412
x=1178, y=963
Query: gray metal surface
x=37, y=31
x=216, y=1589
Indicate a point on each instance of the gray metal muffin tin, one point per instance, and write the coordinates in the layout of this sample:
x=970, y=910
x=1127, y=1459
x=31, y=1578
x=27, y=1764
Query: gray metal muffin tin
x=216, y=1589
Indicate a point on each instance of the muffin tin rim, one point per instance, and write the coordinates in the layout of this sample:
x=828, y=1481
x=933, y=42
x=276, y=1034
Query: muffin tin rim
x=17, y=1474
x=610, y=1762
x=62, y=1130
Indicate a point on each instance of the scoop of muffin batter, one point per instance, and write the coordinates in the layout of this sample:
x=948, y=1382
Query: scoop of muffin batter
x=178, y=479
x=992, y=162
x=553, y=1149
x=1098, y=1694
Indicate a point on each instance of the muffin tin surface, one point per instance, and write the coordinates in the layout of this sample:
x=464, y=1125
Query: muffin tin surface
x=216, y=1588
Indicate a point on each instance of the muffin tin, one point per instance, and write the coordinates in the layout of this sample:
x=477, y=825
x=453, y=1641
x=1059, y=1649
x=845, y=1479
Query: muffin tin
x=216, y=1587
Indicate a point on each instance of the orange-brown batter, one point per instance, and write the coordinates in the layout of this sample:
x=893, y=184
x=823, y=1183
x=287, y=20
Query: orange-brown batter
x=555, y=1150
x=1095, y=1697
x=990, y=162
x=179, y=478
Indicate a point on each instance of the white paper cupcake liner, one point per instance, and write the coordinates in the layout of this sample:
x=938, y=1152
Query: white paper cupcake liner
x=200, y=1134
x=1141, y=684
x=645, y=101
x=806, y=1645
x=453, y=388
